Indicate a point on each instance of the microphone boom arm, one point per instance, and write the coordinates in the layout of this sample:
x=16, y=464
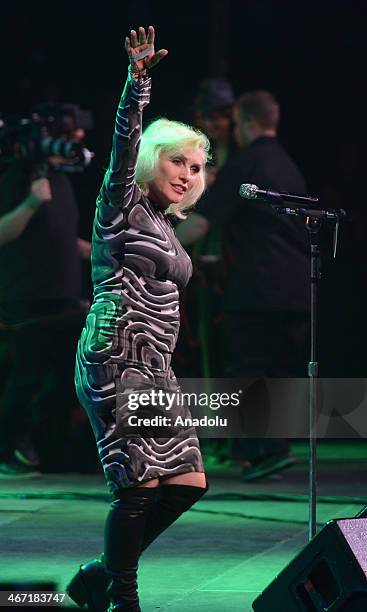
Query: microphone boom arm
x=327, y=214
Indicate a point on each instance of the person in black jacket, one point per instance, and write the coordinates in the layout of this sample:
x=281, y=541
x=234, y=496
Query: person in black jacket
x=42, y=314
x=266, y=302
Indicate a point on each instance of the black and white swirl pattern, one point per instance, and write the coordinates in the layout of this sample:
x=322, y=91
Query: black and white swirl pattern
x=138, y=268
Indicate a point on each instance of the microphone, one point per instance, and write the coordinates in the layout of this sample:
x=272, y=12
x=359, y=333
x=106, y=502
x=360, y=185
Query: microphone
x=252, y=192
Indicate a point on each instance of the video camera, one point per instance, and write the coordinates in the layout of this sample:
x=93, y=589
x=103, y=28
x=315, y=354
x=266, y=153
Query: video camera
x=51, y=130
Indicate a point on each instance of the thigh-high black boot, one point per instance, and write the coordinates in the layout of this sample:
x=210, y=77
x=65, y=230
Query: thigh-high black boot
x=90, y=583
x=172, y=501
x=124, y=532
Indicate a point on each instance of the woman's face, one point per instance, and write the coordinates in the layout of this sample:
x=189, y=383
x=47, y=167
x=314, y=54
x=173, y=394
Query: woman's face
x=175, y=176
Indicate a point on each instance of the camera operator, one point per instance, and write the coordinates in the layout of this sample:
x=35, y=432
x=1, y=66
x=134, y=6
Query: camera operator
x=41, y=310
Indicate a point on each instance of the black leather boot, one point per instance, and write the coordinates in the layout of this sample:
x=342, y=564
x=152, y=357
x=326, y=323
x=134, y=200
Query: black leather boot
x=90, y=583
x=113, y=578
x=124, y=533
x=88, y=586
x=172, y=501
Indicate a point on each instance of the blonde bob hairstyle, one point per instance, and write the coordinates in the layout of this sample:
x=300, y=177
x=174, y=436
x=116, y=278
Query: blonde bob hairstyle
x=170, y=138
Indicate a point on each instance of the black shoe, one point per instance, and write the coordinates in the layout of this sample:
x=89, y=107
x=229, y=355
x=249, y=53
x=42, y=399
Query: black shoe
x=12, y=468
x=267, y=466
x=27, y=454
x=89, y=586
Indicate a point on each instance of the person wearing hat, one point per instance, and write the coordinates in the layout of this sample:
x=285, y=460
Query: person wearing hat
x=212, y=113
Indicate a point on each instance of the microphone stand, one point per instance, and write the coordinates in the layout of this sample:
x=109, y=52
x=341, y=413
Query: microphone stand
x=313, y=221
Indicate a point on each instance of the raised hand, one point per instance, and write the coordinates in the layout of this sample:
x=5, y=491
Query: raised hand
x=140, y=50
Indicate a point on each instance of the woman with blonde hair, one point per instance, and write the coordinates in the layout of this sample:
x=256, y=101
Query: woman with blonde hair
x=138, y=269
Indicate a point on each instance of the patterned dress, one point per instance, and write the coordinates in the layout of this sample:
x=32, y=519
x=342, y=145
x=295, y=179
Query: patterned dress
x=138, y=268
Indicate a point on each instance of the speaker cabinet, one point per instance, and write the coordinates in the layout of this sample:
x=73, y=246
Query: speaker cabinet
x=328, y=575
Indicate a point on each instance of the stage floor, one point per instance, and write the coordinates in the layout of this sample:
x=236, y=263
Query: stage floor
x=216, y=558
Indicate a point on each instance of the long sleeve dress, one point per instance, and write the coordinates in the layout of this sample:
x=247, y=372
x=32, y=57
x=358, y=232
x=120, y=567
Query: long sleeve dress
x=138, y=268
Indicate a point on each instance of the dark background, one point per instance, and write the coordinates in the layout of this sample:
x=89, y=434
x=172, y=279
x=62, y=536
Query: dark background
x=312, y=55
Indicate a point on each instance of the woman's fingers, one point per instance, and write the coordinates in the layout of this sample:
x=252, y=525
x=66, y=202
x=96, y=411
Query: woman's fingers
x=151, y=35
x=157, y=57
x=142, y=36
x=136, y=44
x=142, y=39
x=127, y=45
x=134, y=39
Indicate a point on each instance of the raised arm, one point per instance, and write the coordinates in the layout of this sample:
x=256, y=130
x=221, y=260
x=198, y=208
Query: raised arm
x=119, y=185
